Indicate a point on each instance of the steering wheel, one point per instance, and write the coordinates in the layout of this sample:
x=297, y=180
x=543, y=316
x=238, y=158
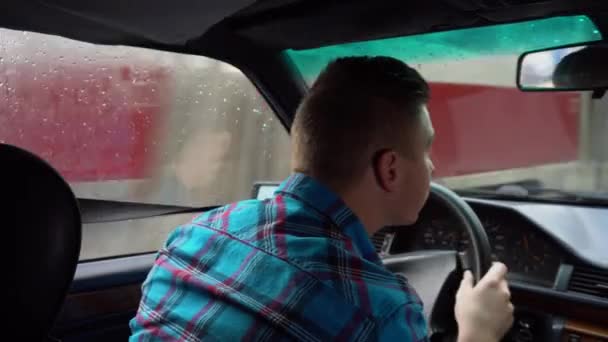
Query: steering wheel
x=436, y=274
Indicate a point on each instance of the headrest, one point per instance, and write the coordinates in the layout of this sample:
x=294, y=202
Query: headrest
x=47, y=234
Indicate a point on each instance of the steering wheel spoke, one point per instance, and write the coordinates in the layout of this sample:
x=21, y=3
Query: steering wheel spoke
x=466, y=259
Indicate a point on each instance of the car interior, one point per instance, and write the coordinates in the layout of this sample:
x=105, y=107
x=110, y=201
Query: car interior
x=553, y=241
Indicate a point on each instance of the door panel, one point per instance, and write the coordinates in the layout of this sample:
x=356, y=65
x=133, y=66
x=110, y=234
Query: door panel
x=104, y=297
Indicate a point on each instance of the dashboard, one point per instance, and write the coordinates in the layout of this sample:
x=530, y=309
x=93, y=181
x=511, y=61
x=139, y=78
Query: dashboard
x=529, y=253
x=557, y=257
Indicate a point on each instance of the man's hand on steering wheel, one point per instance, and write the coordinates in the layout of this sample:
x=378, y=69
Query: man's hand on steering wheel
x=484, y=311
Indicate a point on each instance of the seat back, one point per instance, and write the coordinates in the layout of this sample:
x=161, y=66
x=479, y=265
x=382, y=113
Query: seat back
x=47, y=227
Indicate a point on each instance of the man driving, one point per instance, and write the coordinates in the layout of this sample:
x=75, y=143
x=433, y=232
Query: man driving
x=300, y=265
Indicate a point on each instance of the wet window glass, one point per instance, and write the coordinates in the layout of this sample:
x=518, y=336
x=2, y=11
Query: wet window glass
x=135, y=125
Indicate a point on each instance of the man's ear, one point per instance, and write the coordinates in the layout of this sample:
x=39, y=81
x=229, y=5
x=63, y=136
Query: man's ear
x=385, y=169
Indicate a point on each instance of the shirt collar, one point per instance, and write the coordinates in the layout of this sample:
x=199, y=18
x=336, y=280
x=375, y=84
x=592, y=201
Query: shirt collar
x=316, y=195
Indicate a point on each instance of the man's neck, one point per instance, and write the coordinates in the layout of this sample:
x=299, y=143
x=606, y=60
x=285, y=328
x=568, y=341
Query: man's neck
x=360, y=203
x=363, y=208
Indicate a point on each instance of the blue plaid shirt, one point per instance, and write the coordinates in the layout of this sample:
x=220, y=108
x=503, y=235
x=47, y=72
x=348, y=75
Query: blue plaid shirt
x=298, y=266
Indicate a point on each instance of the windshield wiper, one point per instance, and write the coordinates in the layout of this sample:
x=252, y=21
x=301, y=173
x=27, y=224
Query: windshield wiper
x=530, y=190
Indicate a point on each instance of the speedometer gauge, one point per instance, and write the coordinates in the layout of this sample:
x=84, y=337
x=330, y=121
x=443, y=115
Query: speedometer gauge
x=498, y=240
x=440, y=234
x=535, y=256
x=528, y=254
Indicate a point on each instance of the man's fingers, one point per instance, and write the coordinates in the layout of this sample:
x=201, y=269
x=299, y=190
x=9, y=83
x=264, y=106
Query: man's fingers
x=504, y=287
x=495, y=274
x=467, y=280
x=498, y=269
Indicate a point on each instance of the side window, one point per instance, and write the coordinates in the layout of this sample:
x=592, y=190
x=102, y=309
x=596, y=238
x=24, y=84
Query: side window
x=135, y=125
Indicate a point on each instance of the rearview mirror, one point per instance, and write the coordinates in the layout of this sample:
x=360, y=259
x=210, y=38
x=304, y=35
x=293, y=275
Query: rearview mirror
x=565, y=68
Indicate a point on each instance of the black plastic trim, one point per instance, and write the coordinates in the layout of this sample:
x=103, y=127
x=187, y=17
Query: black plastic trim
x=112, y=272
x=98, y=211
x=557, y=295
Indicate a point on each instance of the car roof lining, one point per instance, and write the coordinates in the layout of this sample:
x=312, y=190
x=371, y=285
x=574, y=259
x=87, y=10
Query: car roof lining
x=276, y=24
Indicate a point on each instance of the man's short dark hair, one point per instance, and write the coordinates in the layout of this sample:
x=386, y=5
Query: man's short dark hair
x=356, y=105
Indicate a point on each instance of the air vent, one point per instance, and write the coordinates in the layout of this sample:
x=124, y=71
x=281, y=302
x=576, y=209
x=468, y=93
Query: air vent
x=589, y=281
x=382, y=241
x=378, y=240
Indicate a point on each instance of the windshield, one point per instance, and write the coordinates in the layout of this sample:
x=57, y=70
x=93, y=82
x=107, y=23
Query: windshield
x=488, y=133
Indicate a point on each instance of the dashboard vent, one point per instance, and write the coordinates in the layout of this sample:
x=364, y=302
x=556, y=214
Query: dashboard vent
x=589, y=281
x=382, y=241
x=378, y=240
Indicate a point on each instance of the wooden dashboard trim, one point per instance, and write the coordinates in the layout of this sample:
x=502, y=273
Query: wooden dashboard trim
x=586, y=329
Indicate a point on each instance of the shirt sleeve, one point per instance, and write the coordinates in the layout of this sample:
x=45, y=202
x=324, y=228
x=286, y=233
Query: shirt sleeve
x=405, y=324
